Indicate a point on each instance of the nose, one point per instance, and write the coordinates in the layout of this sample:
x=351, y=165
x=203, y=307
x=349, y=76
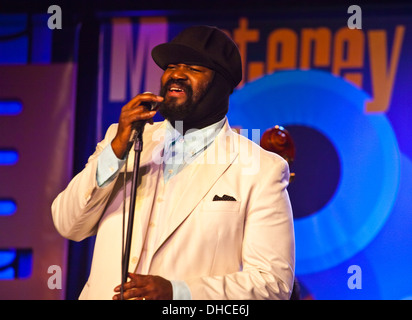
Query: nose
x=178, y=73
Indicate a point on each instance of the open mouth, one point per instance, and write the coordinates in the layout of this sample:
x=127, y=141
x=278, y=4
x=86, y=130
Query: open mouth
x=175, y=91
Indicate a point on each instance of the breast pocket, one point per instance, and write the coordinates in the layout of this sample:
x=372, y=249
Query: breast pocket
x=221, y=223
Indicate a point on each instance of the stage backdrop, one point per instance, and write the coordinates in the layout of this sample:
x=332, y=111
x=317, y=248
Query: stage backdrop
x=344, y=96
x=37, y=129
x=37, y=110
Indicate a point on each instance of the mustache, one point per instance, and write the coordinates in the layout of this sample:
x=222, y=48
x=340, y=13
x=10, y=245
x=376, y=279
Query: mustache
x=181, y=83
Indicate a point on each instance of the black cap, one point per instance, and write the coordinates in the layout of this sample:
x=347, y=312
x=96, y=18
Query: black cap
x=205, y=46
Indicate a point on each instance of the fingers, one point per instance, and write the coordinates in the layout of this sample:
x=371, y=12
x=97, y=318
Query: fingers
x=132, y=294
x=143, y=99
x=133, y=289
x=135, y=114
x=135, y=110
x=145, y=287
x=136, y=281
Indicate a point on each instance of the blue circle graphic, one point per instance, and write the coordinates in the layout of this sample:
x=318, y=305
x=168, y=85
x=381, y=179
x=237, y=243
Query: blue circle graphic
x=366, y=145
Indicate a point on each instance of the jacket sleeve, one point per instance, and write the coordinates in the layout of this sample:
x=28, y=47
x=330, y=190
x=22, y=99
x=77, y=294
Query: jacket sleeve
x=268, y=248
x=77, y=209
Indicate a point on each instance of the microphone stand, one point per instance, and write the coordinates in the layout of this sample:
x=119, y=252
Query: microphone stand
x=138, y=146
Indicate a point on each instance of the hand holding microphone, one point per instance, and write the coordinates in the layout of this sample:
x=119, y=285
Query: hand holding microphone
x=134, y=116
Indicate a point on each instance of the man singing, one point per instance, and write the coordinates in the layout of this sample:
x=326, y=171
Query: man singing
x=208, y=224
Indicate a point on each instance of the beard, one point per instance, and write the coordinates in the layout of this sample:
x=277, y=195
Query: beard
x=171, y=110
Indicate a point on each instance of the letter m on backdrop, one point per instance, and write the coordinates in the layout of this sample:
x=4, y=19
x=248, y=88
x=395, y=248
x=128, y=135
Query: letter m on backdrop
x=131, y=64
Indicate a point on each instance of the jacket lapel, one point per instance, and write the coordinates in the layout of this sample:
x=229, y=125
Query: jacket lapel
x=199, y=178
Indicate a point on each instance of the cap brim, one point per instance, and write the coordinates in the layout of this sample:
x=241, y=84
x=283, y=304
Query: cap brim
x=173, y=53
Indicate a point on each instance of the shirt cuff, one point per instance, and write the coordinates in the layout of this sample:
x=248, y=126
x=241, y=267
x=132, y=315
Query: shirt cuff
x=107, y=166
x=180, y=290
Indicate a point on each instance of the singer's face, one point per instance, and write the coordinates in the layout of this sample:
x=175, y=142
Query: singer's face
x=182, y=87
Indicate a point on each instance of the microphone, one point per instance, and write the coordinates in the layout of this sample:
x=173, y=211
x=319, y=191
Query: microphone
x=138, y=126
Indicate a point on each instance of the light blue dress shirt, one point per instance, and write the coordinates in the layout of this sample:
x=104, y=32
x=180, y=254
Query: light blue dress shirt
x=179, y=151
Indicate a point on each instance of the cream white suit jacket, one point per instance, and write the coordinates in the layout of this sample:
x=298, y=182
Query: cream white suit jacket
x=241, y=249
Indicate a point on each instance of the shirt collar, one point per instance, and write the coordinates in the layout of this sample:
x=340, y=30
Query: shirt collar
x=197, y=139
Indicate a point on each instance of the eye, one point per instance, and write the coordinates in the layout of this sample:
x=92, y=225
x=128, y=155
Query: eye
x=195, y=69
